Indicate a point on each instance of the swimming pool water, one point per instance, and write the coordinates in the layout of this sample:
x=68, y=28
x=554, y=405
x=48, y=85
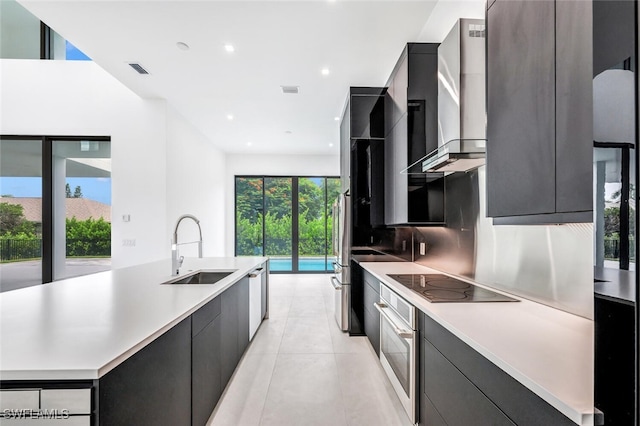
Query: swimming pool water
x=304, y=264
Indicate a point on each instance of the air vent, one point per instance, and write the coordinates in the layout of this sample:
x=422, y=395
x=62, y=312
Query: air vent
x=138, y=68
x=292, y=90
x=477, y=30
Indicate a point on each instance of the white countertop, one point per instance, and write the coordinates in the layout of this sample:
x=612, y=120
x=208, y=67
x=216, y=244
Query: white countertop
x=83, y=327
x=547, y=350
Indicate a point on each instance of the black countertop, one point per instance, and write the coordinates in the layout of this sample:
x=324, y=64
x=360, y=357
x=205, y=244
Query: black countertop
x=614, y=284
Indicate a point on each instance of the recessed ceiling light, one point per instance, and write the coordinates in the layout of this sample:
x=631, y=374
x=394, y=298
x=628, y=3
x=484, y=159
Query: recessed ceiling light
x=336, y=118
x=182, y=45
x=229, y=48
x=325, y=71
x=229, y=117
x=288, y=132
x=331, y=145
x=249, y=144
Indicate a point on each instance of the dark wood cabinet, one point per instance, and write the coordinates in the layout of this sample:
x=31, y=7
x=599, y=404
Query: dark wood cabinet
x=459, y=386
x=411, y=131
x=206, y=384
x=539, y=111
x=152, y=387
x=234, y=336
x=371, y=314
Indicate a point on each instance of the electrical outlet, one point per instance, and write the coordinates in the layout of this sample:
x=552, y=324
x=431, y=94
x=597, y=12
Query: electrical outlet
x=129, y=242
x=423, y=249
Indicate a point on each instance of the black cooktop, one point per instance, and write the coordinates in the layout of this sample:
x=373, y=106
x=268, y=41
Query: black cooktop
x=442, y=288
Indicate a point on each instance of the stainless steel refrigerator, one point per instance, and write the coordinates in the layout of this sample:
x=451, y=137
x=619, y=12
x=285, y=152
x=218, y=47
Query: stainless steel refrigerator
x=341, y=241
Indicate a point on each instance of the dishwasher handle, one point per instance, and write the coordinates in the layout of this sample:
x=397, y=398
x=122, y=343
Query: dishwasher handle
x=336, y=284
x=401, y=332
x=256, y=273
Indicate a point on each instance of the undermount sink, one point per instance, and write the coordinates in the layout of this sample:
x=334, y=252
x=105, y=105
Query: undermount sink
x=201, y=277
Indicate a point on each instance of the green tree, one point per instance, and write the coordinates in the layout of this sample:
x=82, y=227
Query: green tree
x=67, y=190
x=310, y=198
x=77, y=193
x=13, y=221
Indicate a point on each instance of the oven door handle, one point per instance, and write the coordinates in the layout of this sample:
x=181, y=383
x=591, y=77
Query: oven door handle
x=401, y=332
x=335, y=283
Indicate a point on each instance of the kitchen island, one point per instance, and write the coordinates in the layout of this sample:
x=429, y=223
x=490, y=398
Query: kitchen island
x=547, y=351
x=82, y=333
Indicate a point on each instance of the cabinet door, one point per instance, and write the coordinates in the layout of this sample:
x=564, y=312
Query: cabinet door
x=389, y=177
x=153, y=386
x=345, y=149
x=400, y=181
x=229, y=333
x=372, y=317
x=574, y=106
x=455, y=398
x=205, y=373
x=521, y=108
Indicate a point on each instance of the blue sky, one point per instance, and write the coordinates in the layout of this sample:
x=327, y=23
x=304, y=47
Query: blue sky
x=98, y=189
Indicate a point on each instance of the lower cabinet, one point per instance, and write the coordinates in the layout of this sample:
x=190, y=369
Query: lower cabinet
x=234, y=336
x=206, y=383
x=458, y=386
x=371, y=314
x=178, y=378
x=152, y=387
x=614, y=360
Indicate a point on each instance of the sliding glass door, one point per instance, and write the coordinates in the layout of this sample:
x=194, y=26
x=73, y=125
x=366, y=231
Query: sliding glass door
x=55, y=208
x=20, y=213
x=287, y=219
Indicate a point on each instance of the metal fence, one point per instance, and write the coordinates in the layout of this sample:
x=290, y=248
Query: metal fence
x=12, y=249
x=612, y=249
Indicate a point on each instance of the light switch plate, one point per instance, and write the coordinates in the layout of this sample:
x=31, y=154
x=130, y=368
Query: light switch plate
x=423, y=249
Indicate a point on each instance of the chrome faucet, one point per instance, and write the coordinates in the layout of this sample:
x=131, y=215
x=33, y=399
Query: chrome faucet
x=176, y=262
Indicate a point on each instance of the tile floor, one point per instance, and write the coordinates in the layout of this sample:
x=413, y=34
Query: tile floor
x=301, y=370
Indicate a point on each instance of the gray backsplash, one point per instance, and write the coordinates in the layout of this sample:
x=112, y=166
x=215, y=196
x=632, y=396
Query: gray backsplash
x=552, y=265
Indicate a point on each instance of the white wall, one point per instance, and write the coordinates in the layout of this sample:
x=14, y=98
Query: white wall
x=195, y=185
x=271, y=165
x=79, y=98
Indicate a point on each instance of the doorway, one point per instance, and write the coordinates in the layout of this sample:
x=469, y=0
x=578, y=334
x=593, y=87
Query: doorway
x=287, y=219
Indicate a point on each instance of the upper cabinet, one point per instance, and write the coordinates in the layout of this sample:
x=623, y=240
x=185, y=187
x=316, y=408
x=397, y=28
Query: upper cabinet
x=363, y=118
x=411, y=131
x=539, y=111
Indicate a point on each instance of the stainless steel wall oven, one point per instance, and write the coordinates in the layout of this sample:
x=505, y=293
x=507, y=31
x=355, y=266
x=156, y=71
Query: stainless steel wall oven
x=399, y=347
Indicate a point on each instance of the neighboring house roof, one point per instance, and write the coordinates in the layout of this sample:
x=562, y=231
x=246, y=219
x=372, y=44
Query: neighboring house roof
x=80, y=208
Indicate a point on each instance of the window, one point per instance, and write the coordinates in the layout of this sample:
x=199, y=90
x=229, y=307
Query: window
x=24, y=36
x=55, y=208
x=287, y=219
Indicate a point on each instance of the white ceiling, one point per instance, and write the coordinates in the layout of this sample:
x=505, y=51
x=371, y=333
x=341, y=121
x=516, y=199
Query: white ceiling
x=276, y=43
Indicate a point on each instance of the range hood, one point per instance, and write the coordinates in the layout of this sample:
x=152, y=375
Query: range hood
x=462, y=118
x=457, y=155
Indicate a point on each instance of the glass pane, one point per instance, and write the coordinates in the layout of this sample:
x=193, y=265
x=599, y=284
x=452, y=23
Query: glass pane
x=397, y=351
x=311, y=224
x=74, y=54
x=249, y=216
x=278, y=223
x=81, y=207
x=19, y=32
x=20, y=213
x=333, y=190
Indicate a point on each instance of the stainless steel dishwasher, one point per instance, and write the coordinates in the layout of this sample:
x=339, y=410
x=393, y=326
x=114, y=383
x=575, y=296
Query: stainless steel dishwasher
x=255, y=300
